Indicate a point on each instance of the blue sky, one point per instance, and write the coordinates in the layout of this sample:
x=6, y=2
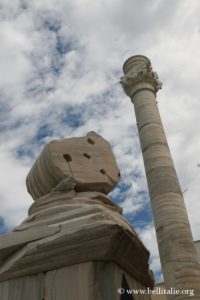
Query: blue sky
x=60, y=66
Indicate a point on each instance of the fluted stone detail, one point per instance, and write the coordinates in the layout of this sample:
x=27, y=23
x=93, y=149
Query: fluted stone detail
x=177, y=251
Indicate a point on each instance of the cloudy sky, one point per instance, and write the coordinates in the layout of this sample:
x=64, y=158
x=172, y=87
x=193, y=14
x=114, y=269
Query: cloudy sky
x=60, y=63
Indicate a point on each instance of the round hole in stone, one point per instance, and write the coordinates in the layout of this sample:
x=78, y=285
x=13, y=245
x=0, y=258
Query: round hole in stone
x=87, y=155
x=90, y=141
x=103, y=171
x=67, y=157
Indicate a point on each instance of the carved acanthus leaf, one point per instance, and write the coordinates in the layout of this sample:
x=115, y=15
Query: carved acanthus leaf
x=141, y=73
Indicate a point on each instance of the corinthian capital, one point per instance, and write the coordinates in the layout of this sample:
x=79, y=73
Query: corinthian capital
x=137, y=69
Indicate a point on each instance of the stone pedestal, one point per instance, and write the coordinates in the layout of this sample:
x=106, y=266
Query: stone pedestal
x=98, y=280
x=177, y=252
x=75, y=244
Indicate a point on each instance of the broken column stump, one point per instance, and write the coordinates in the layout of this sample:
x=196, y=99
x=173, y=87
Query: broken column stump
x=74, y=244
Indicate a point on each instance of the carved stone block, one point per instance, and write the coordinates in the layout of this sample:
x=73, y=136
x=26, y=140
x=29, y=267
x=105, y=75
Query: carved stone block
x=88, y=160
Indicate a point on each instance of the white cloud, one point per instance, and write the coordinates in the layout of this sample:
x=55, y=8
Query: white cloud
x=148, y=236
x=14, y=198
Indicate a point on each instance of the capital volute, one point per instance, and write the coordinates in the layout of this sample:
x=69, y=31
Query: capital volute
x=138, y=72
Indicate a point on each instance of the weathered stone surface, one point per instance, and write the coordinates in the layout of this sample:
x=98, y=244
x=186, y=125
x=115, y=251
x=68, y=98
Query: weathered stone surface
x=75, y=235
x=99, y=280
x=95, y=280
x=89, y=161
x=15, y=240
x=72, y=198
x=25, y=288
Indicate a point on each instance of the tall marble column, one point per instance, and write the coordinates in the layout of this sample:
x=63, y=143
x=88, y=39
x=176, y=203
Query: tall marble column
x=177, y=252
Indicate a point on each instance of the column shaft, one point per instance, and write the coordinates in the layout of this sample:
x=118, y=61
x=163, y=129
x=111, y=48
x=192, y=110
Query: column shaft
x=177, y=252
